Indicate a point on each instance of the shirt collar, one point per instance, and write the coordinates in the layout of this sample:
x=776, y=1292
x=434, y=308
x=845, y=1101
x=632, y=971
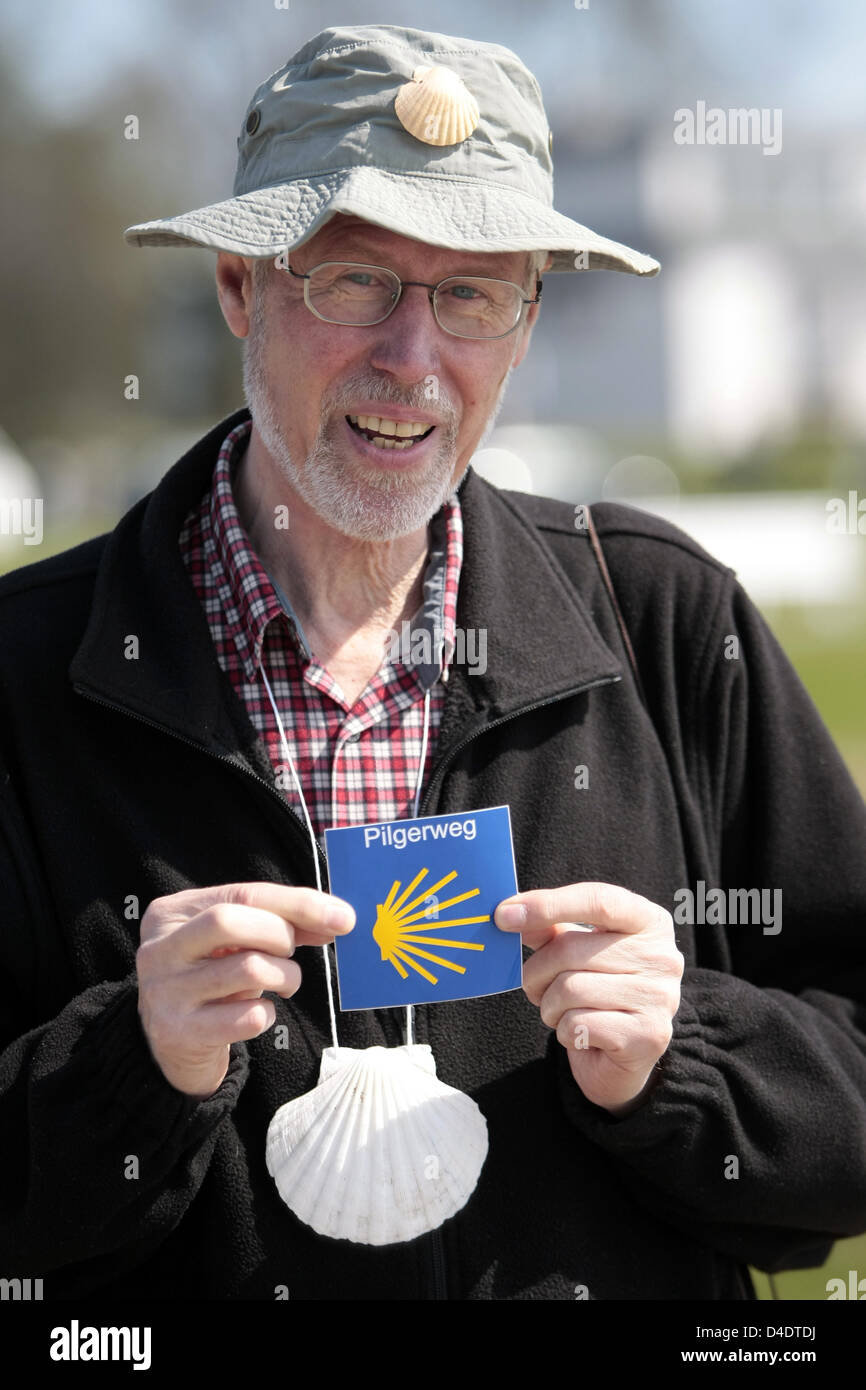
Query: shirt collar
x=252, y=599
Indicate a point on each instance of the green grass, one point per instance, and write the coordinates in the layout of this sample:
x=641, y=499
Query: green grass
x=831, y=662
x=14, y=553
x=811, y=1284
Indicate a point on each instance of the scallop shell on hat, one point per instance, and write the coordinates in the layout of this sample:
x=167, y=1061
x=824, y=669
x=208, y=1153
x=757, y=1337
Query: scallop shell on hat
x=437, y=107
x=381, y=1151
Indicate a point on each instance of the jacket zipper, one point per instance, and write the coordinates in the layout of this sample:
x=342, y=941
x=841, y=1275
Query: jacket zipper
x=437, y=1246
x=441, y=766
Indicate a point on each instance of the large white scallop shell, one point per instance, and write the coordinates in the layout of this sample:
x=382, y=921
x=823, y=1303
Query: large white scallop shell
x=436, y=106
x=381, y=1151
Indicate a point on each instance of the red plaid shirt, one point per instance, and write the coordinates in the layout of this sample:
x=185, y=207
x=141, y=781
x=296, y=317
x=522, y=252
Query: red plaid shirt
x=355, y=764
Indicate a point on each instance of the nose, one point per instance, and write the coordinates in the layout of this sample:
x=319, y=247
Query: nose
x=407, y=342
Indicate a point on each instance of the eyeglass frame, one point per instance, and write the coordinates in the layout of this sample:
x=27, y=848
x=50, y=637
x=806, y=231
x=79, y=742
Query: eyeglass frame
x=468, y=337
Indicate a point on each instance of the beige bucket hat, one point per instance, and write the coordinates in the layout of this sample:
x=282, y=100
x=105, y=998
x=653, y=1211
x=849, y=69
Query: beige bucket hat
x=444, y=140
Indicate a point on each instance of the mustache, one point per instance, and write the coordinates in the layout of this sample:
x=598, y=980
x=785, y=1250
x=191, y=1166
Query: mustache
x=375, y=388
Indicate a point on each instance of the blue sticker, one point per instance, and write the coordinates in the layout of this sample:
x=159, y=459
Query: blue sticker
x=424, y=893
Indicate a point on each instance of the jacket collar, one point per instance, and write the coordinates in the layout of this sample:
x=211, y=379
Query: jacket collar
x=541, y=640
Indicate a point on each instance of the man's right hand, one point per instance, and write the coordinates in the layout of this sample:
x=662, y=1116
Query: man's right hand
x=205, y=958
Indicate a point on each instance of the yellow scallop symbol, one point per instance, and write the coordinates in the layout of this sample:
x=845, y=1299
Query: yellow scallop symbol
x=398, y=941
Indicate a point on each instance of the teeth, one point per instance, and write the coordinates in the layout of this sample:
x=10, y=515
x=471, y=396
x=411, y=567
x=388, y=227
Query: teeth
x=395, y=429
x=381, y=442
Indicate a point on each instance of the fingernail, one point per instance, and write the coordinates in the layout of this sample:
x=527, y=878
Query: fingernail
x=510, y=914
x=341, y=915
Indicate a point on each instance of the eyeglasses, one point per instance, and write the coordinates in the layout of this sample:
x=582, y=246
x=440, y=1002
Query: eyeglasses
x=467, y=306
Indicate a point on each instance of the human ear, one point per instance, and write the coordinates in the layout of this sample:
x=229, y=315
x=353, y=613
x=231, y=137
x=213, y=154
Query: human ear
x=235, y=291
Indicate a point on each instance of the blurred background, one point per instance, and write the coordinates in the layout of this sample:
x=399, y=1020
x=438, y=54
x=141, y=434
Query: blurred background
x=728, y=393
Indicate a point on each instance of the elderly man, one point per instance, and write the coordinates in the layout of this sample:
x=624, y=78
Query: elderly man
x=671, y=1095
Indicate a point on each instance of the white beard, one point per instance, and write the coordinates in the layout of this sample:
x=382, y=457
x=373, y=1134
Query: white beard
x=368, y=503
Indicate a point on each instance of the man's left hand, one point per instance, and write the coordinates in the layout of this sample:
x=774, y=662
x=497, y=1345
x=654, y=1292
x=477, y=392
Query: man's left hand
x=611, y=993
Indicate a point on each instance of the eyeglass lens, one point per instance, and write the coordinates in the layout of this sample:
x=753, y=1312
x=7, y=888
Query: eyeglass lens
x=469, y=306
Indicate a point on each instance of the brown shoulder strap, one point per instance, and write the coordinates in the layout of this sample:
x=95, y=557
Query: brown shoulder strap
x=605, y=574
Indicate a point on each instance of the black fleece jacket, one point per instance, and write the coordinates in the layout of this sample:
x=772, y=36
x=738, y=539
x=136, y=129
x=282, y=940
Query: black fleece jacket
x=124, y=779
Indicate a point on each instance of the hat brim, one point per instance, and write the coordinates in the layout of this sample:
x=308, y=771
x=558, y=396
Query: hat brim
x=459, y=213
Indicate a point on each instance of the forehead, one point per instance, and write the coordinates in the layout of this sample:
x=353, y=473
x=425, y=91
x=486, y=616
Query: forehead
x=351, y=238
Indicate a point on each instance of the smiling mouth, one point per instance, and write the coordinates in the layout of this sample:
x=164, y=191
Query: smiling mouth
x=390, y=434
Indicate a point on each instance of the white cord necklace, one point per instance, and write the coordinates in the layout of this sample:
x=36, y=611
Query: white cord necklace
x=313, y=845
x=380, y=1151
